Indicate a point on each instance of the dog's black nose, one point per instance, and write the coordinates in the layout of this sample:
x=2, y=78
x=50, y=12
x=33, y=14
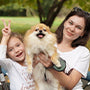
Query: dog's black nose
x=40, y=31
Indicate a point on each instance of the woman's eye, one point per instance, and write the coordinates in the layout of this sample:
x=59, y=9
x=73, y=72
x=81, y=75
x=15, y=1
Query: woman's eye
x=71, y=23
x=79, y=27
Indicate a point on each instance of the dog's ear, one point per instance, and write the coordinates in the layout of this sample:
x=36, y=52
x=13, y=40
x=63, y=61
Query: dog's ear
x=28, y=32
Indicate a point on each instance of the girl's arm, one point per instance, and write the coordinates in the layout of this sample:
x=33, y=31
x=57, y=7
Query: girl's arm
x=6, y=31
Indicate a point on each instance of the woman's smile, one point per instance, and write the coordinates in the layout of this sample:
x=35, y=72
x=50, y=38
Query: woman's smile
x=69, y=33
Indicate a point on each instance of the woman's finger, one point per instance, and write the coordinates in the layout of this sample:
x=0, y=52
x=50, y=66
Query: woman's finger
x=44, y=63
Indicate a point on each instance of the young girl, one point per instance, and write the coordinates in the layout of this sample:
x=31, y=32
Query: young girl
x=72, y=36
x=12, y=45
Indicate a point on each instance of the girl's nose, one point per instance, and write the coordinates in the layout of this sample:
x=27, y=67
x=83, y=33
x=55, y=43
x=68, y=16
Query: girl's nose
x=16, y=50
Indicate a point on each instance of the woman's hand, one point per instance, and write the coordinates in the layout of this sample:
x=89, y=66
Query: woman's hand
x=41, y=58
x=6, y=31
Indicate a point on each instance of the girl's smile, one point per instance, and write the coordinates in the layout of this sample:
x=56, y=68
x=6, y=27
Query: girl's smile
x=16, y=50
x=19, y=54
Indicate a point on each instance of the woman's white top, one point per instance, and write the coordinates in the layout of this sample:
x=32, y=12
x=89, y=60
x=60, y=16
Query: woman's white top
x=77, y=59
x=19, y=78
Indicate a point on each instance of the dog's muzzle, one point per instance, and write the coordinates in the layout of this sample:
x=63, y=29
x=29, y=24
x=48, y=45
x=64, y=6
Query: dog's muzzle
x=40, y=34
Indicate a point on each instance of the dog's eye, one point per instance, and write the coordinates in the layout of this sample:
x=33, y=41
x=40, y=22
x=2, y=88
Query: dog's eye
x=44, y=29
x=36, y=29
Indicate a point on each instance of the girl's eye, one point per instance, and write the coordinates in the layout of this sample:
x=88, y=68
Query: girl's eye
x=10, y=50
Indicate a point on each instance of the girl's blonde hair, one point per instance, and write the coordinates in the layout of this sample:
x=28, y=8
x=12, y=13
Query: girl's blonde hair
x=17, y=35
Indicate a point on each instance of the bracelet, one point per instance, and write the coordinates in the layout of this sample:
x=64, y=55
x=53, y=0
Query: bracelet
x=63, y=65
x=59, y=69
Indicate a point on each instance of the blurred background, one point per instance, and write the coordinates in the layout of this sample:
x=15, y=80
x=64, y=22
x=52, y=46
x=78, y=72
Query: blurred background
x=26, y=13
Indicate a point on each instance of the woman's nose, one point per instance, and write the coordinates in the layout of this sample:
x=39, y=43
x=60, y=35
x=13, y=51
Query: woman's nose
x=72, y=28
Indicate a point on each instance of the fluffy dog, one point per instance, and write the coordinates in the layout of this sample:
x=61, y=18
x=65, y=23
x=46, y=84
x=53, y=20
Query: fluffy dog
x=40, y=39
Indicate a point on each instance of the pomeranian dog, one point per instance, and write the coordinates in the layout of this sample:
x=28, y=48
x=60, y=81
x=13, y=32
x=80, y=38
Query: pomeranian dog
x=40, y=39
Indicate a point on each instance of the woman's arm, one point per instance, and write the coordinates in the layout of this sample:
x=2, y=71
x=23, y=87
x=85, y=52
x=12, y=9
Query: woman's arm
x=67, y=81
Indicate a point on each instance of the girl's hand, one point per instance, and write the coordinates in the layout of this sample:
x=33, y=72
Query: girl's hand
x=6, y=31
x=43, y=59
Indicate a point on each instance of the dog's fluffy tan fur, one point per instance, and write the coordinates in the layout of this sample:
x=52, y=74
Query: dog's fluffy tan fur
x=40, y=39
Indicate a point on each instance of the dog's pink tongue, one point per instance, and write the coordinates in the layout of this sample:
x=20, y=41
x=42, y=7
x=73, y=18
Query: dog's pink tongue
x=40, y=36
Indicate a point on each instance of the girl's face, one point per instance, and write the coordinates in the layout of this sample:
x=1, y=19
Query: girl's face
x=73, y=28
x=16, y=50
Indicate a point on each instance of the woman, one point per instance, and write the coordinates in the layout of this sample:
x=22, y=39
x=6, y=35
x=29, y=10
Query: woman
x=72, y=36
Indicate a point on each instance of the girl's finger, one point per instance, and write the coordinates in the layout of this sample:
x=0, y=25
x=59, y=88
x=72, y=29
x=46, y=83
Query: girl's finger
x=4, y=22
x=6, y=28
x=9, y=24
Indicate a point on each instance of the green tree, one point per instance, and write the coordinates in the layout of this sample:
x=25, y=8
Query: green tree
x=84, y=4
x=48, y=9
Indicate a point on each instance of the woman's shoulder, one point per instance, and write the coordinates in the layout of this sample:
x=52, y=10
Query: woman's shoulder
x=83, y=49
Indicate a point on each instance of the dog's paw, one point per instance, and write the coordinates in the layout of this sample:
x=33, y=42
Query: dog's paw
x=58, y=64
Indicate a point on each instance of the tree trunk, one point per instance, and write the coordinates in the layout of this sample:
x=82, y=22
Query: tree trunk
x=52, y=13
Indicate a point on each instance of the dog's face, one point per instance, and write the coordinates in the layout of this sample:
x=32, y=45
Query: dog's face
x=40, y=30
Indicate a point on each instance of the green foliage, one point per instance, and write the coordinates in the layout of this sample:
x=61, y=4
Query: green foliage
x=88, y=45
x=12, y=10
x=84, y=4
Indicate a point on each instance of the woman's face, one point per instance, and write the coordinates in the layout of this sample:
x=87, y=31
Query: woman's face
x=73, y=28
x=16, y=50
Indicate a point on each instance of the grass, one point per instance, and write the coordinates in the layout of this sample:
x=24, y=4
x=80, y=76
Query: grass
x=22, y=24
